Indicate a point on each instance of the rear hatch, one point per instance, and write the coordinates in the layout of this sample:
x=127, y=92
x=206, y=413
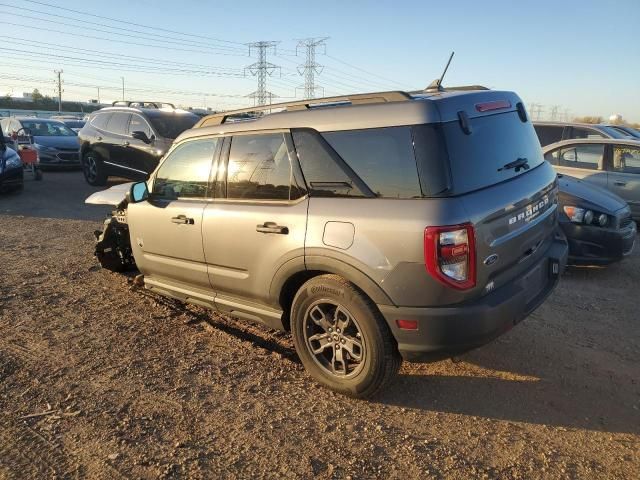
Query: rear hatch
x=499, y=173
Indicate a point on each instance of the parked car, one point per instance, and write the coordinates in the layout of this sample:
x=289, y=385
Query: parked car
x=376, y=227
x=73, y=123
x=597, y=223
x=551, y=132
x=129, y=140
x=609, y=163
x=57, y=144
x=11, y=174
x=625, y=130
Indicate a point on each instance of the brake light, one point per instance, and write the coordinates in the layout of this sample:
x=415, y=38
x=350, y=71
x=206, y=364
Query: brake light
x=496, y=105
x=450, y=255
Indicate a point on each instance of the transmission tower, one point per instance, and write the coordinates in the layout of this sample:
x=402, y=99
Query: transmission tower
x=554, y=112
x=262, y=69
x=310, y=67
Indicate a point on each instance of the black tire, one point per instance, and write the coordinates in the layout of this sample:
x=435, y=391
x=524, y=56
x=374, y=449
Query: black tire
x=93, y=169
x=314, y=325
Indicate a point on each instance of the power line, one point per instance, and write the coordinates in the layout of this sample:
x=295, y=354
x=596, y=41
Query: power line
x=57, y=7
x=310, y=67
x=164, y=47
x=165, y=40
x=261, y=69
x=109, y=56
x=362, y=70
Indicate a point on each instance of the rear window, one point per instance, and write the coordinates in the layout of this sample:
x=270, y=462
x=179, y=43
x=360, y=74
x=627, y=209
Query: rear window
x=169, y=125
x=478, y=160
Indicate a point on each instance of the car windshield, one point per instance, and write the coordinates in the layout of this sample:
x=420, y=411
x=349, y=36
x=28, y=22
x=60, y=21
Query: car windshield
x=43, y=128
x=170, y=125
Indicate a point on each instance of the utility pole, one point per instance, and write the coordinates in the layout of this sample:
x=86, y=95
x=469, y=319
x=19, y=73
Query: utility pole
x=261, y=69
x=98, y=95
x=59, y=74
x=122, y=88
x=310, y=67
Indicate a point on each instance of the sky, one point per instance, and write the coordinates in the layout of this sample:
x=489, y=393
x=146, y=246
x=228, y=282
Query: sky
x=583, y=57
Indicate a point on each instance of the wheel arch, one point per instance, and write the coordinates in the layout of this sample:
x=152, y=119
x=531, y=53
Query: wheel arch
x=293, y=274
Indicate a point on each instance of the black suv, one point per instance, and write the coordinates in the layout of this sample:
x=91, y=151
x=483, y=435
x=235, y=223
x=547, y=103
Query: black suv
x=129, y=138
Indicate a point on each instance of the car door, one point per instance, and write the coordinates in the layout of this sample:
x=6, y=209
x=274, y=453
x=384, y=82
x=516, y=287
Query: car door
x=257, y=224
x=624, y=175
x=117, y=141
x=166, y=229
x=585, y=161
x=141, y=156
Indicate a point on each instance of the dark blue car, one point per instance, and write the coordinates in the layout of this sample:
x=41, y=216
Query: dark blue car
x=57, y=144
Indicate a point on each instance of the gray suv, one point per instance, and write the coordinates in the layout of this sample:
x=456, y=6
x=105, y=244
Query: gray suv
x=375, y=227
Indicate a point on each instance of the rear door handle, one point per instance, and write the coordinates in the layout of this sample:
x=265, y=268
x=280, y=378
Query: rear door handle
x=99, y=138
x=182, y=220
x=620, y=184
x=272, y=227
x=126, y=144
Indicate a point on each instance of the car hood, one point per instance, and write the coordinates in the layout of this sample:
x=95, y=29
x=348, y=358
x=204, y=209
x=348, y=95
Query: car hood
x=111, y=196
x=57, y=142
x=582, y=194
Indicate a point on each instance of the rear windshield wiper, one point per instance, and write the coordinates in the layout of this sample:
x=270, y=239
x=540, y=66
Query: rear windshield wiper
x=521, y=163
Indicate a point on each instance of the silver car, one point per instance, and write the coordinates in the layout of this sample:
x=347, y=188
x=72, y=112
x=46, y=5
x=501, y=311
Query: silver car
x=610, y=163
x=375, y=227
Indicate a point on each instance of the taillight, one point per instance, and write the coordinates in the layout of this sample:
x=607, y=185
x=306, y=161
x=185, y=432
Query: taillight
x=450, y=255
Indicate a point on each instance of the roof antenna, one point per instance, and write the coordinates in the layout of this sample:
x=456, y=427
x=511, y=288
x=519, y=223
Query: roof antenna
x=437, y=83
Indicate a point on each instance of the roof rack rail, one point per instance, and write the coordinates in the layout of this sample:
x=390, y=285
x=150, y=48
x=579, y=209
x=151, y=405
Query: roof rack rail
x=354, y=99
x=129, y=103
x=435, y=87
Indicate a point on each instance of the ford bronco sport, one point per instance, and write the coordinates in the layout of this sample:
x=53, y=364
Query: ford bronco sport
x=375, y=227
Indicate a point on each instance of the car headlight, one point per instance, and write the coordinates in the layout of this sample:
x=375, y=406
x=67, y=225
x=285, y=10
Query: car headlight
x=583, y=215
x=43, y=148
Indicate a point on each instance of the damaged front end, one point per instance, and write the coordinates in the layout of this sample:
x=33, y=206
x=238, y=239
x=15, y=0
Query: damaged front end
x=113, y=246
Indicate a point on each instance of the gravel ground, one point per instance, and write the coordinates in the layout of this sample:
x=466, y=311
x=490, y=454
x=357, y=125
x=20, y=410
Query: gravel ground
x=100, y=379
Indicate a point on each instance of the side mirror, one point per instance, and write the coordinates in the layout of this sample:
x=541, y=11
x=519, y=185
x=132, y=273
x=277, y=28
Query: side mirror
x=139, y=192
x=140, y=135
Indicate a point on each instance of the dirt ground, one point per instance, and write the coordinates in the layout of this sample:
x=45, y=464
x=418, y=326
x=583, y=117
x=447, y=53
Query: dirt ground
x=99, y=379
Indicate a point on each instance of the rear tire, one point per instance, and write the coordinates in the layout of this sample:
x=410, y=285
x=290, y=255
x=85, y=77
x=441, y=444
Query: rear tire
x=341, y=338
x=93, y=169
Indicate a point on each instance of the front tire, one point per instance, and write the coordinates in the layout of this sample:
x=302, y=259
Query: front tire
x=341, y=338
x=93, y=169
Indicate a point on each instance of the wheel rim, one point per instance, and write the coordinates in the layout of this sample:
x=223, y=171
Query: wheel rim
x=90, y=168
x=334, y=338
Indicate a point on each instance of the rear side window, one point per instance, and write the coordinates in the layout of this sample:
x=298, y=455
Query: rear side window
x=588, y=157
x=259, y=168
x=185, y=171
x=382, y=157
x=100, y=120
x=321, y=169
x=481, y=158
x=579, y=132
x=119, y=123
x=548, y=134
x=626, y=159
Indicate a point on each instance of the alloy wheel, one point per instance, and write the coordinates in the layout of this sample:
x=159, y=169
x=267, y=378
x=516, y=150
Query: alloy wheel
x=334, y=338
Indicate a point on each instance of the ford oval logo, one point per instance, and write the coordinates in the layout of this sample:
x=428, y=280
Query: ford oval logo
x=491, y=259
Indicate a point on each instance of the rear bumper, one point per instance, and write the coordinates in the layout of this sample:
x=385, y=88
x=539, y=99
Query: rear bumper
x=598, y=246
x=446, y=331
